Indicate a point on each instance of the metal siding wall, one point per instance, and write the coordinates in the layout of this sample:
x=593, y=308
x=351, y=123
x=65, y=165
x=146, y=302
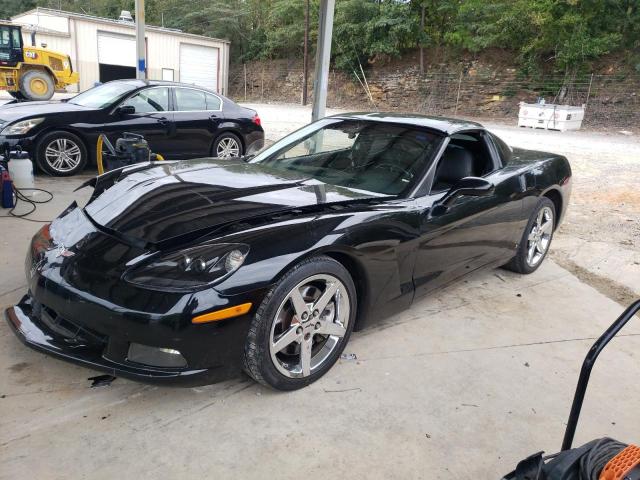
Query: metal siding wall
x=162, y=52
x=163, y=48
x=87, y=42
x=43, y=20
x=54, y=42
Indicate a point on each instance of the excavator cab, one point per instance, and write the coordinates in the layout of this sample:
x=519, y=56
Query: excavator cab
x=11, y=52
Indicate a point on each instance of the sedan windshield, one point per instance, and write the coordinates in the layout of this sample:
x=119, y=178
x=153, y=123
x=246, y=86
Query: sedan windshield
x=366, y=155
x=103, y=95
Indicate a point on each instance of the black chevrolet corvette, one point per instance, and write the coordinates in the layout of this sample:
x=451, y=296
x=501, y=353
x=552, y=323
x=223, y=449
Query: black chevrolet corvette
x=187, y=272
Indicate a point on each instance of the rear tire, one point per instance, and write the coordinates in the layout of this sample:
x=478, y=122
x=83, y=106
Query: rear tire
x=536, y=239
x=291, y=343
x=227, y=145
x=61, y=154
x=36, y=85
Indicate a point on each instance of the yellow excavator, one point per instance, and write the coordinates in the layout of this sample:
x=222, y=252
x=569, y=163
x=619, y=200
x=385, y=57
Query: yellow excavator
x=31, y=73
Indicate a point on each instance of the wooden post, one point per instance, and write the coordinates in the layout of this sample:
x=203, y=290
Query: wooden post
x=262, y=86
x=244, y=65
x=588, y=92
x=366, y=84
x=305, y=81
x=458, y=96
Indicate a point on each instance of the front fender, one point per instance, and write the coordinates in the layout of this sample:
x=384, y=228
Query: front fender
x=377, y=250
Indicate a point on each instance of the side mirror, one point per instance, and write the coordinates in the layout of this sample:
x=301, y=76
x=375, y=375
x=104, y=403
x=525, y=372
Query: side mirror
x=469, y=186
x=126, y=110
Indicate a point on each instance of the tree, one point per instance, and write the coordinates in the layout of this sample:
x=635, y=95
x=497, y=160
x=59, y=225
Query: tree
x=564, y=35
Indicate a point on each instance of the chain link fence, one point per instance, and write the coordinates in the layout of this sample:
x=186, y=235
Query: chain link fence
x=611, y=101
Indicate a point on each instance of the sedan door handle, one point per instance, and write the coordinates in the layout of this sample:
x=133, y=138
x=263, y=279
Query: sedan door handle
x=163, y=121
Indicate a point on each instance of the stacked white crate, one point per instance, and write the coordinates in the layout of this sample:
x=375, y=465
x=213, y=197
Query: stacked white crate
x=550, y=116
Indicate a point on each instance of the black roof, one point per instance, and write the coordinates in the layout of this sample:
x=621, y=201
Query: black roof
x=137, y=83
x=441, y=124
x=143, y=83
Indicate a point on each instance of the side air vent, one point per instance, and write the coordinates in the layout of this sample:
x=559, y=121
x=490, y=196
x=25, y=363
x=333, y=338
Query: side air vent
x=56, y=64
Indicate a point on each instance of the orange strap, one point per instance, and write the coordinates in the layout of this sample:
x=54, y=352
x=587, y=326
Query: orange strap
x=621, y=464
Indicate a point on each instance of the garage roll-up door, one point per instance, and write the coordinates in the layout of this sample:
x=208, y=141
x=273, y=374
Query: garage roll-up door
x=114, y=49
x=199, y=65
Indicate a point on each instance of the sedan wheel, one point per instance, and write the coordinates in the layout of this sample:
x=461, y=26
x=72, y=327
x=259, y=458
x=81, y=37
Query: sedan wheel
x=302, y=325
x=61, y=154
x=228, y=146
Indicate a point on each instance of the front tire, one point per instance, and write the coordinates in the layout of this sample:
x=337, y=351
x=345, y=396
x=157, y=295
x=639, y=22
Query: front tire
x=302, y=325
x=536, y=239
x=61, y=154
x=36, y=85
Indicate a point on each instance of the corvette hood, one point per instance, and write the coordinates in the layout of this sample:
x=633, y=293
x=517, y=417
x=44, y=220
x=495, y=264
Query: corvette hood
x=178, y=199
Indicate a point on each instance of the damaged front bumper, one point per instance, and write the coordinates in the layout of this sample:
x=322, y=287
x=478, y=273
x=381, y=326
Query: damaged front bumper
x=77, y=344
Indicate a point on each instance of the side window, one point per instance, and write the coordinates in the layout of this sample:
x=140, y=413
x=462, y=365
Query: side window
x=213, y=102
x=4, y=37
x=188, y=99
x=17, y=39
x=149, y=101
x=467, y=155
x=504, y=151
x=324, y=140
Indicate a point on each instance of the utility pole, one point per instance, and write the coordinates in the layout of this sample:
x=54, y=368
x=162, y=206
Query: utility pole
x=141, y=50
x=305, y=82
x=323, y=55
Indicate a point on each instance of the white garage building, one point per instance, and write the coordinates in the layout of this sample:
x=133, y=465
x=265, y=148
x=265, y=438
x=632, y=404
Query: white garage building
x=102, y=49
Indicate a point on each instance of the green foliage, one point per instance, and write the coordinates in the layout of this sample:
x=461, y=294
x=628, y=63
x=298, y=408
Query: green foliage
x=563, y=34
x=364, y=30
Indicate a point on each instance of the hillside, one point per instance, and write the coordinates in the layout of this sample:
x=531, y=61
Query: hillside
x=487, y=85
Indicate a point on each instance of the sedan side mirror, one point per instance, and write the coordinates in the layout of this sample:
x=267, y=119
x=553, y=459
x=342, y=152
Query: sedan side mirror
x=126, y=110
x=469, y=186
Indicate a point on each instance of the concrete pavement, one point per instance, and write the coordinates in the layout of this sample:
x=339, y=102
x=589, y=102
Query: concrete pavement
x=463, y=385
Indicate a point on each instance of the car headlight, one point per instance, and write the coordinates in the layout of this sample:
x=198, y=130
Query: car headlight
x=20, y=128
x=189, y=269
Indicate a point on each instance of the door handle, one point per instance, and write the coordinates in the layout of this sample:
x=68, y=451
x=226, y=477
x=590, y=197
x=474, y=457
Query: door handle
x=213, y=117
x=163, y=121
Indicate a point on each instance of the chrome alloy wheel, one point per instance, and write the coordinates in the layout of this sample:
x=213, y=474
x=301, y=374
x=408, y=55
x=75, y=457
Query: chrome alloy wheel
x=309, y=325
x=540, y=236
x=63, y=155
x=228, y=147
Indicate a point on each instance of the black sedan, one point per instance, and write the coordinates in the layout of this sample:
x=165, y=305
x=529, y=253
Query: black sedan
x=187, y=272
x=179, y=121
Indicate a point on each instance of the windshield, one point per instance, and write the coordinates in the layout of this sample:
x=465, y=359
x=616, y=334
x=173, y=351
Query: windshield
x=367, y=155
x=103, y=95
